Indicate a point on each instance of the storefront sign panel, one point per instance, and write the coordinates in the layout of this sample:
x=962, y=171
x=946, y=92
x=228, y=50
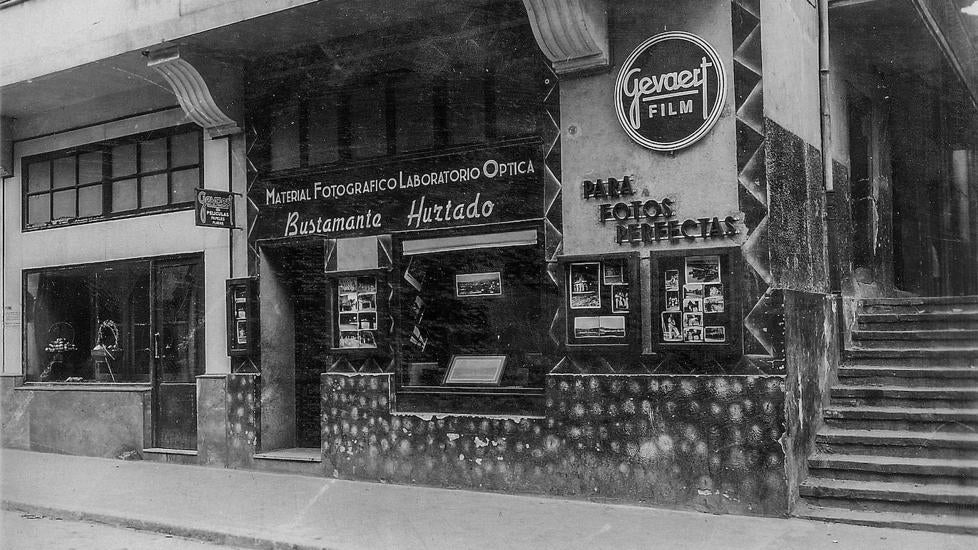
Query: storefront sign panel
x=484, y=186
x=670, y=91
x=214, y=208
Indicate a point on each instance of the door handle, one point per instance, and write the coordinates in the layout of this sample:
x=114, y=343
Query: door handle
x=156, y=345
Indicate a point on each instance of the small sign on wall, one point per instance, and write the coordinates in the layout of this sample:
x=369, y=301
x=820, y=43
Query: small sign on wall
x=214, y=208
x=670, y=91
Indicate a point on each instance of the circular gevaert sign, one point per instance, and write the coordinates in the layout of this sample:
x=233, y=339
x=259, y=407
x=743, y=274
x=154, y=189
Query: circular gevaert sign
x=670, y=91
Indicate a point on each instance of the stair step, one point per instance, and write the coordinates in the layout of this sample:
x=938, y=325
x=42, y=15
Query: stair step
x=896, y=464
x=946, y=352
x=911, y=414
x=898, y=438
x=898, y=371
x=936, y=317
x=888, y=491
x=901, y=392
x=897, y=520
x=930, y=335
x=941, y=304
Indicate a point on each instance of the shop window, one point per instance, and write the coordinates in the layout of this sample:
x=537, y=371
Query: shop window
x=470, y=323
x=119, y=177
x=115, y=322
x=486, y=84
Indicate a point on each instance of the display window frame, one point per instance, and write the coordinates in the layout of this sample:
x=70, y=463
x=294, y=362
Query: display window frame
x=730, y=318
x=501, y=397
x=383, y=327
x=579, y=317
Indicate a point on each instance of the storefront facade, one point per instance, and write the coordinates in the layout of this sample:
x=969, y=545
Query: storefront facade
x=572, y=248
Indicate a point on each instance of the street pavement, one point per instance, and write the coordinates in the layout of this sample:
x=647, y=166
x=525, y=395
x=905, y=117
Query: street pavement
x=20, y=531
x=264, y=510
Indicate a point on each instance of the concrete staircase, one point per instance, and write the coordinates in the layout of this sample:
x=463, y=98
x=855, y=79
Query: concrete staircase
x=899, y=443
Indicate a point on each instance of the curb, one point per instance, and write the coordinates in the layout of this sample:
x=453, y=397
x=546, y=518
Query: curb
x=195, y=533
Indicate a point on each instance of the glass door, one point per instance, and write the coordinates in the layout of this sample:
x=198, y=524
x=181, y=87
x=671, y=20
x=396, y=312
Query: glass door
x=177, y=357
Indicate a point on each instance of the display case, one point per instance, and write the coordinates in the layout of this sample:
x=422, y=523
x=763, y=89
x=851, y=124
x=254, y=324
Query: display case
x=602, y=301
x=694, y=301
x=242, y=317
x=360, y=302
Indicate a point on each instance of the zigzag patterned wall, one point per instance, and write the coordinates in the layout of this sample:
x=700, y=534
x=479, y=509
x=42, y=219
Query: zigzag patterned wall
x=764, y=323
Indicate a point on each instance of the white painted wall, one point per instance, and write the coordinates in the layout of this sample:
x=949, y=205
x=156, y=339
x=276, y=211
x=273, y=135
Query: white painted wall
x=138, y=237
x=45, y=36
x=789, y=38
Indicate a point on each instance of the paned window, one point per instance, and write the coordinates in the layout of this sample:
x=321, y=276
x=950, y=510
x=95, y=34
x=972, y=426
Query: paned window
x=119, y=177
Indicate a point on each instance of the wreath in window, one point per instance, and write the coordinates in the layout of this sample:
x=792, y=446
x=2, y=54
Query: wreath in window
x=107, y=340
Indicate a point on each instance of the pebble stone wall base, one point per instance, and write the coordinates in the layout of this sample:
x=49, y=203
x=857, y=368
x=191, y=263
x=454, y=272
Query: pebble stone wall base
x=711, y=443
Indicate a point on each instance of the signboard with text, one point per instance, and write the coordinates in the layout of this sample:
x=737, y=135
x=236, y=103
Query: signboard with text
x=214, y=208
x=484, y=186
x=670, y=91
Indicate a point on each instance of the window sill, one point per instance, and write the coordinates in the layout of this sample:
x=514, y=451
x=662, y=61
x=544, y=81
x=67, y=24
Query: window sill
x=180, y=207
x=84, y=386
x=471, y=401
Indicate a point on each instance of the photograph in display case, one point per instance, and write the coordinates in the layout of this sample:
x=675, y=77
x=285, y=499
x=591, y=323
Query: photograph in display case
x=702, y=269
x=672, y=300
x=693, y=334
x=671, y=326
x=715, y=334
x=713, y=300
x=693, y=291
x=585, y=291
x=605, y=326
x=693, y=305
x=614, y=272
x=469, y=285
x=619, y=298
x=672, y=279
x=692, y=319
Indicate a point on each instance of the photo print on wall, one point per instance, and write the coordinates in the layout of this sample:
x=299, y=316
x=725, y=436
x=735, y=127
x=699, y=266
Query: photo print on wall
x=619, y=298
x=702, y=269
x=585, y=286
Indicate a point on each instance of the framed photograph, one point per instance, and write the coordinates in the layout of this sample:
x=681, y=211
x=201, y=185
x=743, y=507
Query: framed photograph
x=366, y=284
x=619, y=298
x=468, y=285
x=692, y=319
x=348, y=321
x=349, y=339
x=584, y=286
x=672, y=279
x=693, y=334
x=611, y=326
x=367, y=339
x=715, y=334
x=348, y=302
x=693, y=305
x=713, y=300
x=483, y=370
x=347, y=285
x=614, y=272
x=587, y=327
x=365, y=302
x=672, y=300
x=702, y=269
x=367, y=321
x=670, y=327
x=693, y=291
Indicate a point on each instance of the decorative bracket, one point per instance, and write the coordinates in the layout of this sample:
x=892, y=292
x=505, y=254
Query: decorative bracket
x=573, y=34
x=192, y=92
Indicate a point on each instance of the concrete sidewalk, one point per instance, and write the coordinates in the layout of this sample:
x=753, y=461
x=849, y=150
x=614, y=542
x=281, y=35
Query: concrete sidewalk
x=264, y=510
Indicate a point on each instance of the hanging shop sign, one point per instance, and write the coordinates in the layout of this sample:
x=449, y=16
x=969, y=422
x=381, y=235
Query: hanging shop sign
x=214, y=208
x=650, y=221
x=485, y=186
x=670, y=91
